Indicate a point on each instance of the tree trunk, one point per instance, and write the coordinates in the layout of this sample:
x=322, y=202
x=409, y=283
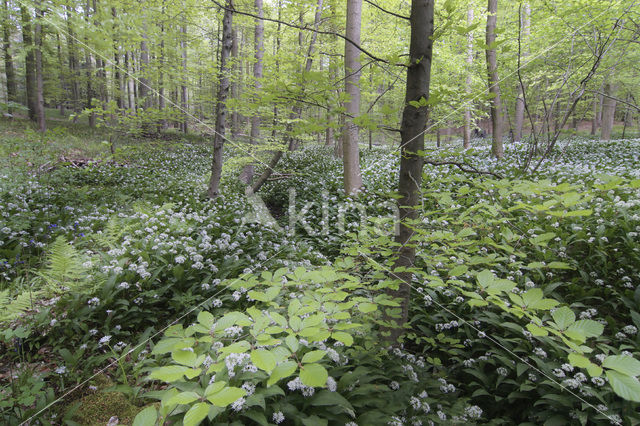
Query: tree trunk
x=144, y=86
x=30, y=63
x=73, y=64
x=494, y=88
x=594, y=122
x=63, y=97
x=40, y=114
x=184, y=92
x=223, y=93
x=466, y=132
x=628, y=114
x=12, y=85
x=235, y=85
x=350, y=150
x=131, y=90
x=412, y=129
x=89, y=71
x=526, y=31
x=608, y=112
x=247, y=174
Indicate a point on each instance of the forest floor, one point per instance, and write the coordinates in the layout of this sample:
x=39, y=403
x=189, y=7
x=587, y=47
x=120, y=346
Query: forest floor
x=101, y=250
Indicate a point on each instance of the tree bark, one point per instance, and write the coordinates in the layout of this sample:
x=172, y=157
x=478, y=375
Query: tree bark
x=608, y=112
x=412, y=129
x=183, y=89
x=73, y=63
x=89, y=71
x=12, y=85
x=40, y=114
x=494, y=89
x=466, y=132
x=223, y=93
x=235, y=85
x=30, y=62
x=248, y=172
x=144, y=86
x=526, y=31
x=350, y=150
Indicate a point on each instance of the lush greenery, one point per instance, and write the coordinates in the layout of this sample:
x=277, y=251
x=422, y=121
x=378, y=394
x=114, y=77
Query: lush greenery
x=524, y=297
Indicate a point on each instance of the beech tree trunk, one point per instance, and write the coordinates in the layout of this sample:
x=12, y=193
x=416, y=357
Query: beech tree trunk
x=143, y=87
x=221, y=108
x=73, y=63
x=608, y=112
x=40, y=115
x=12, y=85
x=235, y=85
x=89, y=71
x=183, y=89
x=492, y=71
x=526, y=31
x=466, y=135
x=350, y=150
x=247, y=174
x=29, y=63
x=414, y=121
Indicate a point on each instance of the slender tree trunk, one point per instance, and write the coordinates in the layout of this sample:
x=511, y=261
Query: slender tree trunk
x=130, y=83
x=30, y=62
x=594, y=122
x=247, y=173
x=223, y=93
x=184, y=94
x=73, y=64
x=627, y=117
x=235, y=84
x=297, y=109
x=89, y=71
x=40, y=114
x=63, y=86
x=143, y=87
x=466, y=132
x=12, y=85
x=350, y=150
x=526, y=31
x=412, y=129
x=494, y=88
x=608, y=112
x=119, y=82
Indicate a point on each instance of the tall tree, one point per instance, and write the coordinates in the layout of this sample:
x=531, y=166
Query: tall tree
x=223, y=93
x=30, y=61
x=608, y=111
x=247, y=173
x=12, y=85
x=466, y=137
x=184, y=94
x=351, y=152
x=414, y=121
x=525, y=23
x=40, y=114
x=89, y=69
x=492, y=71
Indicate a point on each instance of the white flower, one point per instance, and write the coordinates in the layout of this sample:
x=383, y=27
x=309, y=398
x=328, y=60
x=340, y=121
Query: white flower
x=104, y=340
x=61, y=370
x=331, y=384
x=278, y=417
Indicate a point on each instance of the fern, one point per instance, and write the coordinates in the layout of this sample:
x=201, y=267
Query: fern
x=12, y=309
x=64, y=267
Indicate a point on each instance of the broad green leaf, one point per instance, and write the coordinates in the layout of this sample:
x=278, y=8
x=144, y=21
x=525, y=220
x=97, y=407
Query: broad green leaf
x=170, y=373
x=281, y=371
x=314, y=375
x=532, y=296
x=366, y=307
x=226, y=396
x=292, y=342
x=343, y=337
x=313, y=356
x=263, y=359
x=583, y=329
x=146, y=417
x=214, y=388
x=624, y=386
x=563, y=317
x=196, y=414
x=184, y=356
x=537, y=331
x=485, y=278
x=623, y=364
x=206, y=318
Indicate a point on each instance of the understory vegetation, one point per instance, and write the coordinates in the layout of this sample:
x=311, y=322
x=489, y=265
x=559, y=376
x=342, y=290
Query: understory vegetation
x=128, y=293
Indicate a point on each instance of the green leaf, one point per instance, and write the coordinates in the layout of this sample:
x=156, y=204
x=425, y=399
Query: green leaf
x=292, y=342
x=623, y=364
x=314, y=375
x=146, y=417
x=206, y=318
x=624, y=386
x=332, y=399
x=485, y=278
x=532, y=296
x=184, y=356
x=281, y=371
x=537, y=331
x=313, y=356
x=263, y=359
x=578, y=360
x=183, y=398
x=343, y=337
x=563, y=317
x=196, y=414
x=214, y=388
x=584, y=329
x=366, y=307
x=170, y=373
x=226, y=396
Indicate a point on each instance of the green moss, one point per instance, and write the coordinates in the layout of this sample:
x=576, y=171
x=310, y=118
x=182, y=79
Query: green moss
x=98, y=408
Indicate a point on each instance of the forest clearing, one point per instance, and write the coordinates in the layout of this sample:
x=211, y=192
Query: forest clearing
x=323, y=212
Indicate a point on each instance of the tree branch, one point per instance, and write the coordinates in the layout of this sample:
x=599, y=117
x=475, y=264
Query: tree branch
x=306, y=28
x=386, y=11
x=467, y=168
